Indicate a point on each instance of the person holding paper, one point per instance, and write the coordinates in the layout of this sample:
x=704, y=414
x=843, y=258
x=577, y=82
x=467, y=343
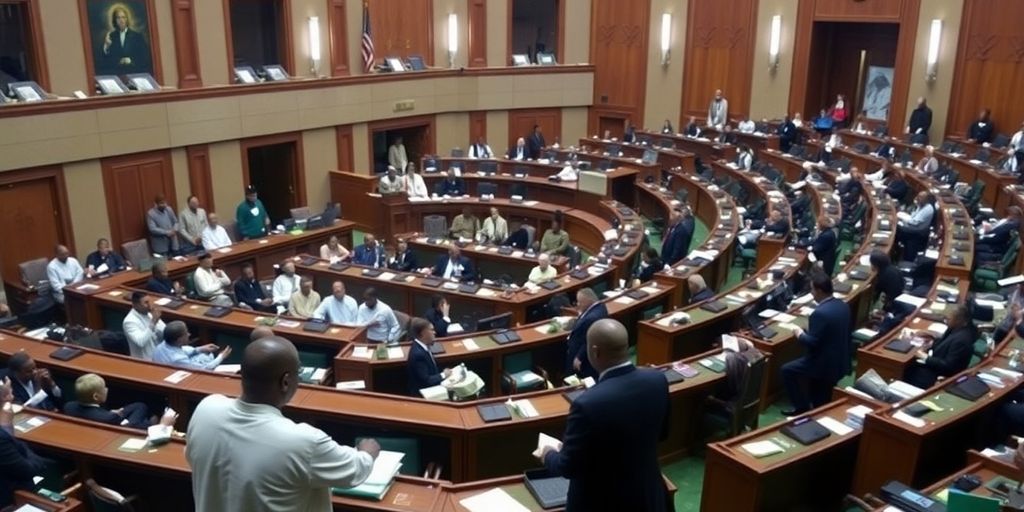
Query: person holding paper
x=391, y=183
x=948, y=356
x=143, y=327
x=18, y=464
x=338, y=308
x=103, y=260
x=454, y=265
x=275, y=464
x=91, y=393
x=422, y=369
x=61, y=271
x=176, y=351
x=379, y=319
x=591, y=310
x=32, y=386
x=610, y=449
x=810, y=378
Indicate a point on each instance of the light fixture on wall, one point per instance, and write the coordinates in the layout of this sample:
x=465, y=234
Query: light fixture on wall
x=314, y=44
x=775, y=42
x=932, y=67
x=453, y=38
x=666, y=38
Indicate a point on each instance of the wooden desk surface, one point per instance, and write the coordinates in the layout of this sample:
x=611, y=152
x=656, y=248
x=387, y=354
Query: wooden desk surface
x=703, y=147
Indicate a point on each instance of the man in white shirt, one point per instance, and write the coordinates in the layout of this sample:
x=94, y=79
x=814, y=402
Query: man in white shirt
x=285, y=284
x=928, y=164
x=143, y=327
x=718, y=110
x=494, y=230
x=191, y=224
x=480, y=149
x=338, y=308
x=518, y=152
x=62, y=271
x=543, y=272
x=797, y=120
x=275, y=464
x=379, y=319
x=211, y=285
x=747, y=125
x=396, y=154
x=414, y=185
x=1017, y=141
x=569, y=173
x=214, y=235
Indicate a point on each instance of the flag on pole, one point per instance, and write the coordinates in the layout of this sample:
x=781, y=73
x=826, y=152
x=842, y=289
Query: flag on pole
x=367, y=41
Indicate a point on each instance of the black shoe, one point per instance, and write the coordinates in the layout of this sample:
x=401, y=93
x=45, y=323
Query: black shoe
x=793, y=412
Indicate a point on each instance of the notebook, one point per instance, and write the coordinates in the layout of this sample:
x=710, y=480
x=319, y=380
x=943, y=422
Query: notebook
x=714, y=306
x=493, y=412
x=550, y=491
x=805, y=431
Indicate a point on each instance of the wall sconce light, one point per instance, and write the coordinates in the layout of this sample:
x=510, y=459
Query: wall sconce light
x=931, y=71
x=775, y=41
x=453, y=38
x=666, y=38
x=314, y=44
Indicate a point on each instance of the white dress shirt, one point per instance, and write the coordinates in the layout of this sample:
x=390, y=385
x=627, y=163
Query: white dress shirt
x=1017, y=141
x=415, y=186
x=495, y=231
x=284, y=287
x=387, y=325
x=747, y=126
x=343, y=312
x=215, y=237
x=397, y=157
x=480, y=151
x=62, y=274
x=250, y=457
x=143, y=336
x=538, y=276
x=209, y=284
x=452, y=269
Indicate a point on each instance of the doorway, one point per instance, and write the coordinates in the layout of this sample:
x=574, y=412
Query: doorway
x=32, y=206
x=417, y=136
x=274, y=166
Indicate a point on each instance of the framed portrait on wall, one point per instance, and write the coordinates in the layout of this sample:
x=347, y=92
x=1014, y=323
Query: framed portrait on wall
x=121, y=37
x=878, y=92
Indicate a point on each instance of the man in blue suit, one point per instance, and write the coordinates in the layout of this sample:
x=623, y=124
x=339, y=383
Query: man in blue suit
x=676, y=242
x=610, y=449
x=825, y=244
x=17, y=462
x=591, y=310
x=454, y=264
x=370, y=253
x=422, y=368
x=809, y=380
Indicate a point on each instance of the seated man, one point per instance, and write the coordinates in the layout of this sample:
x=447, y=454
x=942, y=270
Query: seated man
x=555, y=240
x=370, y=254
x=494, y=229
x=519, y=152
x=304, y=302
x=380, y=321
x=747, y=125
x=699, y=291
x=61, y=271
x=913, y=230
x=160, y=282
x=211, y=284
x=338, y=308
x=20, y=464
x=994, y=239
x=788, y=134
x=422, y=368
x=543, y=272
x=928, y=165
x=143, y=327
x=285, y=284
x=744, y=157
x=32, y=386
x=214, y=235
x=452, y=186
x=650, y=264
x=176, y=351
x=948, y=356
x=692, y=128
x=776, y=225
x=464, y=225
x=103, y=260
x=439, y=315
x=404, y=259
x=896, y=187
x=480, y=149
x=454, y=266
x=414, y=185
x=249, y=292
x=390, y=183
x=888, y=281
x=91, y=392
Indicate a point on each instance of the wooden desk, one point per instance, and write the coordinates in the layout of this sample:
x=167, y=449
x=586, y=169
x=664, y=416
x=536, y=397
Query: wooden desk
x=816, y=476
x=30, y=498
x=985, y=468
x=486, y=259
x=667, y=158
x=705, y=148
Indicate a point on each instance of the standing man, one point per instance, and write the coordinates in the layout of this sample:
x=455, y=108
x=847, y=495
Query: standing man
x=379, y=319
x=536, y=143
x=422, y=369
x=276, y=464
x=163, y=227
x=143, y=327
x=192, y=224
x=397, y=157
x=718, y=110
x=809, y=380
x=676, y=242
x=610, y=448
x=825, y=244
x=920, y=120
x=591, y=310
x=62, y=271
x=251, y=216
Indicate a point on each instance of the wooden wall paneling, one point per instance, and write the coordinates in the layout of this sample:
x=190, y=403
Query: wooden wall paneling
x=989, y=69
x=298, y=179
x=520, y=124
x=904, y=65
x=804, y=58
x=186, y=45
x=284, y=36
x=478, y=126
x=346, y=158
x=130, y=183
x=200, y=175
x=859, y=10
x=719, y=55
x=34, y=206
x=87, y=42
x=618, y=49
x=403, y=28
x=338, y=33
x=477, y=44
x=35, y=42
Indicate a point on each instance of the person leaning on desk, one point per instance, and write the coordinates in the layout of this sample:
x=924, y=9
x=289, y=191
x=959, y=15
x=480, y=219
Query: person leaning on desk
x=947, y=356
x=18, y=464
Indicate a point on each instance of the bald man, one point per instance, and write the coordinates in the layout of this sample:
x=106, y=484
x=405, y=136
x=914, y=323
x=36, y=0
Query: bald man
x=275, y=464
x=260, y=332
x=61, y=271
x=610, y=448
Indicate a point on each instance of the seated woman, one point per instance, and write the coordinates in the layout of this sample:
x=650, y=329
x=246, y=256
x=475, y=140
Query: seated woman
x=333, y=250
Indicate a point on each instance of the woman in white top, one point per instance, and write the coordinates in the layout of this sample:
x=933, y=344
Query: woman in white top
x=333, y=250
x=414, y=185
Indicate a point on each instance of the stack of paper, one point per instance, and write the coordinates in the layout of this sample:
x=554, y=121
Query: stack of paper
x=855, y=415
x=381, y=477
x=762, y=448
x=494, y=500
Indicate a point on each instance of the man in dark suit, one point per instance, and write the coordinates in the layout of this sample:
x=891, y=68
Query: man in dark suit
x=370, y=253
x=452, y=185
x=995, y=242
x=981, y=130
x=888, y=279
x=438, y=314
x=519, y=151
x=405, y=259
x=17, y=462
x=454, y=265
x=249, y=291
x=535, y=143
x=948, y=356
x=422, y=368
x=800, y=203
x=591, y=310
x=31, y=386
x=91, y=392
x=124, y=50
x=920, y=119
x=850, y=190
x=673, y=244
x=610, y=449
x=825, y=244
x=787, y=134
x=809, y=379
x=777, y=225
x=897, y=187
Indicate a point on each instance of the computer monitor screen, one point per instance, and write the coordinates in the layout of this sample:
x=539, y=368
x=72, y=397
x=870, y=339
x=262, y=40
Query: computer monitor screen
x=502, y=321
x=650, y=156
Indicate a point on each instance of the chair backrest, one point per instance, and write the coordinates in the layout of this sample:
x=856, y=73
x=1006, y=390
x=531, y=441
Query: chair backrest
x=300, y=213
x=136, y=251
x=435, y=225
x=531, y=234
x=103, y=499
x=486, y=188
x=33, y=272
x=403, y=324
x=231, y=228
x=1001, y=141
x=575, y=256
x=518, y=189
x=1010, y=257
x=746, y=407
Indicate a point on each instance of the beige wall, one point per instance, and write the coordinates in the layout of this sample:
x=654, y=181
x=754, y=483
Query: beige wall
x=302, y=10
x=320, y=156
x=226, y=166
x=442, y=8
x=497, y=130
x=65, y=57
x=165, y=36
x=577, y=31
x=452, y=131
x=88, y=212
x=213, y=46
x=770, y=87
x=574, y=125
x=179, y=166
x=663, y=97
x=938, y=92
x=497, y=33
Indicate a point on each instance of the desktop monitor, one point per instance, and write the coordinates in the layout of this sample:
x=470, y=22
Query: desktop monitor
x=27, y=91
x=502, y=321
x=520, y=59
x=143, y=82
x=650, y=157
x=110, y=85
x=394, y=64
x=416, y=63
x=546, y=59
x=275, y=73
x=246, y=75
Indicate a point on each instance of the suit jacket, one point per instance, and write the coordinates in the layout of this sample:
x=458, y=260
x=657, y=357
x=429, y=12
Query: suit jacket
x=364, y=255
x=134, y=48
x=647, y=273
x=161, y=286
x=979, y=133
x=824, y=248
x=674, y=246
x=827, y=340
x=114, y=261
x=405, y=262
x=437, y=320
x=920, y=119
x=890, y=281
x=692, y=130
x=535, y=144
x=97, y=414
x=780, y=228
x=421, y=369
x=952, y=353
x=577, y=344
x=702, y=296
x=17, y=467
x=799, y=206
x=787, y=132
x=249, y=293
x=51, y=403
x=513, y=153
x=453, y=188
x=897, y=189
x=610, y=447
x=850, y=190
x=999, y=236
x=468, y=273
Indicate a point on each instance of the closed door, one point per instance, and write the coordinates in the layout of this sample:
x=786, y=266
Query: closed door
x=131, y=183
x=521, y=123
x=613, y=126
x=32, y=223
x=272, y=171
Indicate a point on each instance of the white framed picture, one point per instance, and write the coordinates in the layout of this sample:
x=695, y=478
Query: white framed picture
x=878, y=92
